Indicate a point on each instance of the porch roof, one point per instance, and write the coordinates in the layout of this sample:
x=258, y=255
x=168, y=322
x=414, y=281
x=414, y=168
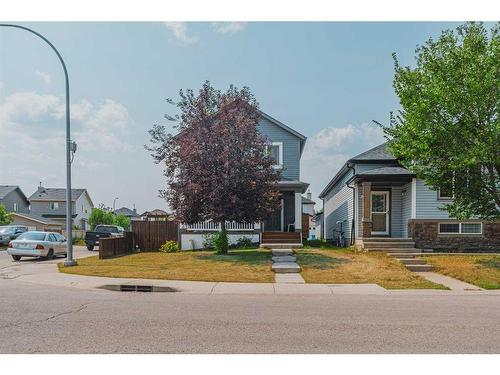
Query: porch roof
x=293, y=185
x=386, y=175
x=387, y=171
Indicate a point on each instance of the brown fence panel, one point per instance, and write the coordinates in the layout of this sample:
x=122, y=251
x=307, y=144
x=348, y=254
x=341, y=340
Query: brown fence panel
x=115, y=246
x=305, y=225
x=150, y=235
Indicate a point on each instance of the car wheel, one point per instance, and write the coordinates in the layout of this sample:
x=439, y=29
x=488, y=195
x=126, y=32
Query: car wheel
x=16, y=257
x=90, y=248
x=50, y=254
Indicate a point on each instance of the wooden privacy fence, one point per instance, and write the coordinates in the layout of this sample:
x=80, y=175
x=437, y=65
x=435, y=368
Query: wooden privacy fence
x=114, y=246
x=150, y=235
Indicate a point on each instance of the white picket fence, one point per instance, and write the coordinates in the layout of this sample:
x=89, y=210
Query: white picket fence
x=211, y=226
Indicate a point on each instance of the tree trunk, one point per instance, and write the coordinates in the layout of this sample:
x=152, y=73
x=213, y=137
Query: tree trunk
x=224, y=245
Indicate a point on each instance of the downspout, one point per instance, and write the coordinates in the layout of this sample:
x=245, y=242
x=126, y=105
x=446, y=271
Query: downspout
x=353, y=226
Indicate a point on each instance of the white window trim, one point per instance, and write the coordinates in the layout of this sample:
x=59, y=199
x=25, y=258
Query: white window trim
x=15, y=207
x=442, y=198
x=280, y=145
x=460, y=223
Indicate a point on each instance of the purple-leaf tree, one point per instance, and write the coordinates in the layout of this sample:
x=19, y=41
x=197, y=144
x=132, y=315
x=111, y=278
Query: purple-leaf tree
x=218, y=166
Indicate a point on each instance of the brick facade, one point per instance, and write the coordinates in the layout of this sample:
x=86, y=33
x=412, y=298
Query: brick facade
x=425, y=234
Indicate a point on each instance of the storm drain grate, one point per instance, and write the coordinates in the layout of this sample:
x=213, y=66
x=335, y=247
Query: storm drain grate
x=138, y=288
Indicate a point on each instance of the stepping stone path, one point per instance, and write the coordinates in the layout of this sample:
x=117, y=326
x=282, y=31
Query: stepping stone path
x=285, y=266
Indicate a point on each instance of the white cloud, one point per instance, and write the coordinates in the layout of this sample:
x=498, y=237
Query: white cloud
x=45, y=77
x=229, y=27
x=32, y=134
x=327, y=151
x=180, y=31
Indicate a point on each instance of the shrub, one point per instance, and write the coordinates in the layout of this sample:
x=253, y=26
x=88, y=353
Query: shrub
x=220, y=242
x=169, y=247
x=244, y=242
x=208, y=241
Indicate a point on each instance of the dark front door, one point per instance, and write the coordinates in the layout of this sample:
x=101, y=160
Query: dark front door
x=273, y=222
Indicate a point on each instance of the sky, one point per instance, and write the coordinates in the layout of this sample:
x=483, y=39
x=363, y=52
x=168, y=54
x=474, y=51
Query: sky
x=327, y=80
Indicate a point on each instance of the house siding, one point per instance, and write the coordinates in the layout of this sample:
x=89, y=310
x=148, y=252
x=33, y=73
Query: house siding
x=41, y=208
x=338, y=207
x=291, y=147
x=405, y=209
x=396, y=212
x=428, y=205
x=15, y=196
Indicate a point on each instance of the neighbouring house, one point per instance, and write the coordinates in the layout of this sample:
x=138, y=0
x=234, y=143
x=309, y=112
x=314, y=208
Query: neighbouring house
x=35, y=222
x=285, y=224
x=307, y=217
x=316, y=231
x=50, y=204
x=155, y=215
x=308, y=204
x=373, y=195
x=13, y=199
x=130, y=213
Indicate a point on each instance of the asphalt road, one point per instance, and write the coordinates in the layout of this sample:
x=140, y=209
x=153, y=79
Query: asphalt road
x=41, y=319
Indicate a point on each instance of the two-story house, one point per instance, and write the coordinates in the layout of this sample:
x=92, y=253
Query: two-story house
x=379, y=202
x=50, y=203
x=285, y=224
x=13, y=199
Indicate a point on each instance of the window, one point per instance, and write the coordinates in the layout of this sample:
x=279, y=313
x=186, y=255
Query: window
x=445, y=193
x=54, y=205
x=15, y=207
x=277, y=153
x=460, y=228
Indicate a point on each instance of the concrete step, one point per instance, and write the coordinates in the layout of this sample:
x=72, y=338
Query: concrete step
x=402, y=255
x=387, y=239
x=285, y=267
x=420, y=267
x=284, y=258
x=282, y=252
x=412, y=261
x=392, y=250
x=396, y=245
x=281, y=245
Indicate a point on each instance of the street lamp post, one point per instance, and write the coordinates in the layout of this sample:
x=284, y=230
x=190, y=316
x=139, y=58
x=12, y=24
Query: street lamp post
x=70, y=147
x=114, y=201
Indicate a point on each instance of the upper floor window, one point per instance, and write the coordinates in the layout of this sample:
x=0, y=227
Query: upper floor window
x=15, y=207
x=277, y=153
x=54, y=205
x=445, y=193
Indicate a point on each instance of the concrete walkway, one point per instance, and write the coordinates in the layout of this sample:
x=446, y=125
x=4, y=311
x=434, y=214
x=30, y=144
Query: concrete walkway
x=450, y=282
x=285, y=267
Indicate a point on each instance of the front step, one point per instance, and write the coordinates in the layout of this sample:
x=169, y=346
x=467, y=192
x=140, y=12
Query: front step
x=413, y=261
x=402, y=255
x=400, y=251
x=420, y=267
x=392, y=245
x=281, y=245
x=285, y=267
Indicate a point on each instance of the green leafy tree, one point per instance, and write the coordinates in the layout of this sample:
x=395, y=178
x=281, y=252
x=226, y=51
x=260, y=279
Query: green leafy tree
x=5, y=217
x=100, y=216
x=448, y=131
x=122, y=221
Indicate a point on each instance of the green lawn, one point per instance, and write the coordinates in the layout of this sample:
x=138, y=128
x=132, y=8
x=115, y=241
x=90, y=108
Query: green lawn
x=480, y=270
x=346, y=266
x=249, y=265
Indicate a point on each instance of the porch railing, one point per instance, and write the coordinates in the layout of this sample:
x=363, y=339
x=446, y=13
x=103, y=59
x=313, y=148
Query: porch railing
x=212, y=226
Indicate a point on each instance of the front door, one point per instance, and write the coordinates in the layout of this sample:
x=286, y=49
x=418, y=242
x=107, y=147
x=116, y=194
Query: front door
x=380, y=212
x=274, y=223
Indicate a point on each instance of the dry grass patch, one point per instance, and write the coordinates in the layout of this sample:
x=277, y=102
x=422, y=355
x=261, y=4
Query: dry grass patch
x=238, y=266
x=480, y=270
x=348, y=267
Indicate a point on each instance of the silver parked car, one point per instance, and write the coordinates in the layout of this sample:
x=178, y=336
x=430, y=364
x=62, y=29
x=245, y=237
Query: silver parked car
x=10, y=232
x=38, y=244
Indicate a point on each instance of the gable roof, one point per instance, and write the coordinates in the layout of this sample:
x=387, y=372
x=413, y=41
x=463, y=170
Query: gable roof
x=377, y=153
x=302, y=137
x=386, y=171
x=7, y=189
x=36, y=218
x=55, y=194
x=126, y=212
x=155, y=212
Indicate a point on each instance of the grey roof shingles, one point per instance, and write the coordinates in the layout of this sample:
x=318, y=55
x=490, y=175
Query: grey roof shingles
x=307, y=201
x=384, y=171
x=6, y=189
x=380, y=152
x=126, y=212
x=55, y=194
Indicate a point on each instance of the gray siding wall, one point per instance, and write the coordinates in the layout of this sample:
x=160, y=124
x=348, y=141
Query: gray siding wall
x=338, y=207
x=291, y=147
x=396, y=212
x=428, y=205
x=405, y=209
x=43, y=208
x=15, y=197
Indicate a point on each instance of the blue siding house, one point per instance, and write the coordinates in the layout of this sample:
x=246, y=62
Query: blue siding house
x=373, y=195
